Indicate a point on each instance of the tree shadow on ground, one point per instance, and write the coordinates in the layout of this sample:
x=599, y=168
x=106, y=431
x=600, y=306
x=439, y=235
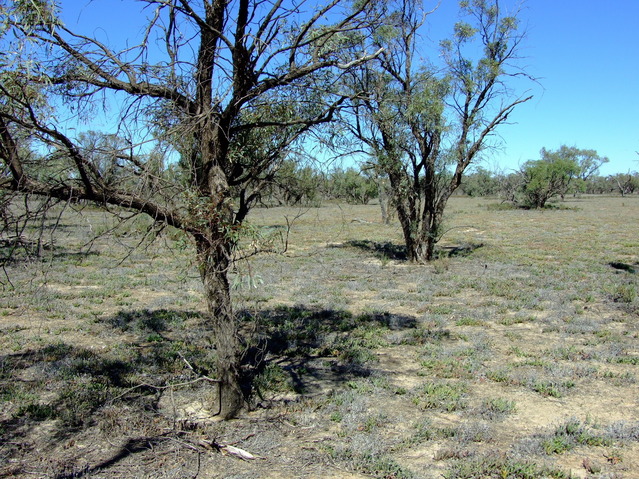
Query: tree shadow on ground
x=311, y=350
x=74, y=391
x=387, y=250
x=384, y=250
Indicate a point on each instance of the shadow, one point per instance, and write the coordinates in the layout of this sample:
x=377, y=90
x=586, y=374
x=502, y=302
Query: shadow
x=72, y=391
x=317, y=349
x=461, y=251
x=398, y=252
x=22, y=250
x=630, y=268
x=384, y=250
x=146, y=320
x=58, y=384
x=132, y=446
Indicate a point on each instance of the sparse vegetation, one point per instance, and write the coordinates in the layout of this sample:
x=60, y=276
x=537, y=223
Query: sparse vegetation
x=358, y=369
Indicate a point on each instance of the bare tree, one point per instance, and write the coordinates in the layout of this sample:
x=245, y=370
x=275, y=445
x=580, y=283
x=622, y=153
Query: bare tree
x=424, y=125
x=228, y=87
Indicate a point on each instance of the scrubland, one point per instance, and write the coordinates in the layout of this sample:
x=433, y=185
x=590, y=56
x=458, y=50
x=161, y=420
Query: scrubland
x=515, y=354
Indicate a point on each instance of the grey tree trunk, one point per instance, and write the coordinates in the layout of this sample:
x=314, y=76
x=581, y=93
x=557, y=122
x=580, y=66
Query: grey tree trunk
x=214, y=261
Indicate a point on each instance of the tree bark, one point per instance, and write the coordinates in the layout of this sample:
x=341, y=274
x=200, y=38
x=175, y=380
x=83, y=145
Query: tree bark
x=214, y=261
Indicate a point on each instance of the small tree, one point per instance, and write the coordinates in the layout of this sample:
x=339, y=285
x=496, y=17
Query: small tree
x=588, y=163
x=480, y=182
x=424, y=126
x=545, y=178
x=228, y=87
x=625, y=183
x=351, y=185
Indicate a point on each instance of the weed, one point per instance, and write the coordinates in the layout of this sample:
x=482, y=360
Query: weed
x=497, y=408
x=501, y=375
x=273, y=379
x=501, y=467
x=624, y=293
x=573, y=433
x=446, y=396
x=469, y=322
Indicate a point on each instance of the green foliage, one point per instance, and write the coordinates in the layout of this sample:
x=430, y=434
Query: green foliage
x=571, y=434
x=501, y=467
x=549, y=176
x=31, y=14
x=480, y=182
x=274, y=379
x=445, y=396
x=352, y=186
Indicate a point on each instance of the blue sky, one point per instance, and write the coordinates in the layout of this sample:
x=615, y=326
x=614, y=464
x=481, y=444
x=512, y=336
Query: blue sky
x=585, y=55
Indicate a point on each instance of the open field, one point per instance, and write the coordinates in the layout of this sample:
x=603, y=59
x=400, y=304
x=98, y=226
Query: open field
x=516, y=356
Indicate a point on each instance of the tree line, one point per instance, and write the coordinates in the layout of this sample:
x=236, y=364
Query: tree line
x=567, y=171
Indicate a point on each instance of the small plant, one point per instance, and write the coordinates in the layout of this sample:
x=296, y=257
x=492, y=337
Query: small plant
x=625, y=293
x=573, y=433
x=448, y=397
x=499, y=375
x=497, y=408
x=500, y=467
x=274, y=379
x=469, y=322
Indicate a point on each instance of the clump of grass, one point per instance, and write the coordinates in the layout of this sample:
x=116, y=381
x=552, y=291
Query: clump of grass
x=467, y=321
x=445, y=396
x=572, y=433
x=624, y=293
x=550, y=388
x=422, y=335
x=364, y=453
x=273, y=379
x=500, y=375
x=497, y=408
x=501, y=467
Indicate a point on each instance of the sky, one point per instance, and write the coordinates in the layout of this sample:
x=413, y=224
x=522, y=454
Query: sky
x=583, y=53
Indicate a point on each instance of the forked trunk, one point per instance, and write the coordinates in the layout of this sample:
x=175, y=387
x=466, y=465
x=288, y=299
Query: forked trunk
x=420, y=238
x=214, y=261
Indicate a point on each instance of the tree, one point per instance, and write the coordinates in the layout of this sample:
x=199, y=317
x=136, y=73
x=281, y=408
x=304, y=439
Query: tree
x=228, y=87
x=355, y=187
x=625, y=183
x=480, y=182
x=295, y=184
x=424, y=126
x=588, y=163
x=547, y=177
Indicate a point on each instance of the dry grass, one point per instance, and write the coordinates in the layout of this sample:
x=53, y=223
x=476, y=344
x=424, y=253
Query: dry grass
x=515, y=356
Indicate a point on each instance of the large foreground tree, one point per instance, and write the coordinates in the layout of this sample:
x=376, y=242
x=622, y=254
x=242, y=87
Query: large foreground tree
x=226, y=88
x=423, y=123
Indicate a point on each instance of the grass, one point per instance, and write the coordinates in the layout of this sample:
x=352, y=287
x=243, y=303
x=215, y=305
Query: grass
x=362, y=364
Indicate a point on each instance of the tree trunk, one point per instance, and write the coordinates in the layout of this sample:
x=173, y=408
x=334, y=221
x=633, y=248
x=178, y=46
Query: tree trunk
x=214, y=261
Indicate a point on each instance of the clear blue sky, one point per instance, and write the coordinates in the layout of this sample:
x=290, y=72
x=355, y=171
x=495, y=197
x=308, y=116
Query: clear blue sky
x=584, y=53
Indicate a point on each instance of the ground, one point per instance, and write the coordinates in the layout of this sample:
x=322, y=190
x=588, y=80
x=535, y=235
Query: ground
x=513, y=355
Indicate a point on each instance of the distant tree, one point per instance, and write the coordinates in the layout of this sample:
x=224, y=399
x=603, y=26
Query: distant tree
x=353, y=186
x=598, y=185
x=227, y=86
x=542, y=179
x=510, y=186
x=588, y=164
x=425, y=125
x=295, y=184
x=625, y=183
x=480, y=182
